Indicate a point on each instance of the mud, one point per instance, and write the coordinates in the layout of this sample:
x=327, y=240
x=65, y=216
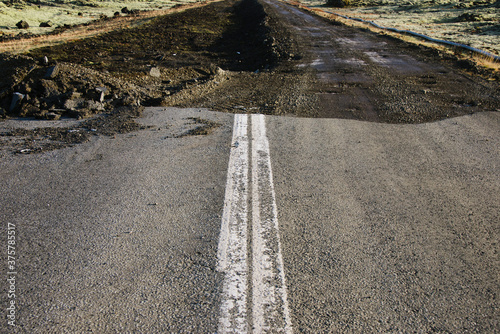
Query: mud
x=43, y=139
x=237, y=56
x=203, y=127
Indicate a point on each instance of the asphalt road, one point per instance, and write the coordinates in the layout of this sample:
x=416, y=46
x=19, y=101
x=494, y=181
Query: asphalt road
x=389, y=228
x=118, y=235
x=383, y=228
x=266, y=224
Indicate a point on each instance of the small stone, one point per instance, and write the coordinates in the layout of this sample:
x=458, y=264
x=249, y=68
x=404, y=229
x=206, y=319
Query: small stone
x=22, y=24
x=125, y=10
x=155, y=72
x=52, y=116
x=45, y=60
x=101, y=92
x=46, y=24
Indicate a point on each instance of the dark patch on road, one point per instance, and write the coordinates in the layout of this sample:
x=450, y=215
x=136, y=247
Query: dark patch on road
x=44, y=139
x=203, y=127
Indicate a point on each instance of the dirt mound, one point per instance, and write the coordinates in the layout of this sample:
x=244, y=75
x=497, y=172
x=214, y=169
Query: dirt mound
x=168, y=60
x=142, y=66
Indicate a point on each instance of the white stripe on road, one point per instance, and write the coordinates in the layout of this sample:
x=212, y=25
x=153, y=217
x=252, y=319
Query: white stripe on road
x=269, y=298
x=232, y=252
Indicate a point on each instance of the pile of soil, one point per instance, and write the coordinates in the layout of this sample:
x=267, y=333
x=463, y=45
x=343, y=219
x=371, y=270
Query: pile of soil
x=142, y=66
x=164, y=62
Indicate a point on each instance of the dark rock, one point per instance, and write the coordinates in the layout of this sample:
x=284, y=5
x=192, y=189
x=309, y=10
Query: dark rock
x=52, y=116
x=52, y=72
x=337, y=3
x=50, y=88
x=47, y=24
x=116, y=14
x=97, y=94
x=17, y=98
x=125, y=10
x=29, y=110
x=22, y=25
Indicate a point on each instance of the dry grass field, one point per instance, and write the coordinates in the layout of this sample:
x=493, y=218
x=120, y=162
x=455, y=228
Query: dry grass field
x=69, y=12
x=474, y=23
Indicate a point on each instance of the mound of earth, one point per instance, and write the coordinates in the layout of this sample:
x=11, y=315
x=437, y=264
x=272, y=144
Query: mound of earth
x=142, y=66
x=164, y=62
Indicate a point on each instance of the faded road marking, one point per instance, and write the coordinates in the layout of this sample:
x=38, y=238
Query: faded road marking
x=232, y=252
x=268, y=289
x=269, y=296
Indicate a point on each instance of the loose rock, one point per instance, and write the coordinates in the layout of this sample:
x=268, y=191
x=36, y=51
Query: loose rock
x=52, y=72
x=155, y=72
x=101, y=92
x=52, y=116
x=22, y=24
x=16, y=100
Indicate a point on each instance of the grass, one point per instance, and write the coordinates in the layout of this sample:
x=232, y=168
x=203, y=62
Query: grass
x=89, y=30
x=62, y=13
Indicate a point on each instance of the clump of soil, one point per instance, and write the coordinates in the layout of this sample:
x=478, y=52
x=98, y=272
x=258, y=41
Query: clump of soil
x=28, y=141
x=204, y=127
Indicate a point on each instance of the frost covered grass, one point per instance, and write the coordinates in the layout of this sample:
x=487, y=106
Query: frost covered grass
x=64, y=12
x=474, y=23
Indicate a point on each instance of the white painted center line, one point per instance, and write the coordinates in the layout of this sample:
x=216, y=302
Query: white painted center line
x=269, y=304
x=269, y=296
x=232, y=252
